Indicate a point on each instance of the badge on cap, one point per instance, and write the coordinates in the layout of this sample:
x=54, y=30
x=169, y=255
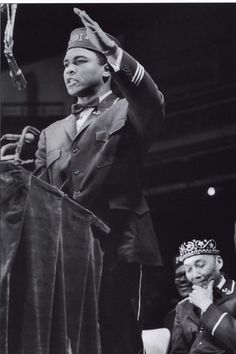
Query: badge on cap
x=78, y=37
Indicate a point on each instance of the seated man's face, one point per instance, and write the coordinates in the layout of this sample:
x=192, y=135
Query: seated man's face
x=183, y=286
x=200, y=269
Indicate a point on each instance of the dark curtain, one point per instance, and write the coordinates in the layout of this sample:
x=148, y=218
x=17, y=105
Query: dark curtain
x=51, y=266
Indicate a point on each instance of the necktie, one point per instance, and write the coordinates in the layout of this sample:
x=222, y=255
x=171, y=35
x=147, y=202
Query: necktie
x=77, y=108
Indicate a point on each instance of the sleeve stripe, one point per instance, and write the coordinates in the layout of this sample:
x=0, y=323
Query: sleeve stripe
x=141, y=74
x=218, y=322
x=136, y=72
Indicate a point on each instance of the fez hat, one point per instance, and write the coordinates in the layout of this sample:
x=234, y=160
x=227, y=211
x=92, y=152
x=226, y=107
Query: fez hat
x=79, y=39
x=198, y=247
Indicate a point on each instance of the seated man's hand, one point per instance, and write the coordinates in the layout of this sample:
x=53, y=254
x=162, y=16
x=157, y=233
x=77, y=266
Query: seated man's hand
x=202, y=297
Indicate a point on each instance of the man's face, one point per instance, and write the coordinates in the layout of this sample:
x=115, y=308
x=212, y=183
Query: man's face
x=200, y=269
x=183, y=286
x=83, y=73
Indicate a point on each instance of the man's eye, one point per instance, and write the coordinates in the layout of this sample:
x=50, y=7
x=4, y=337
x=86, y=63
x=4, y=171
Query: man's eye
x=200, y=265
x=80, y=61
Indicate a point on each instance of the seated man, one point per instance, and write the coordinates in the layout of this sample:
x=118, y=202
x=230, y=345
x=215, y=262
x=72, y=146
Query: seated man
x=205, y=321
x=183, y=287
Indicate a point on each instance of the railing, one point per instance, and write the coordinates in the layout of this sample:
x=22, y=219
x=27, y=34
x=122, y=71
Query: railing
x=41, y=109
x=198, y=99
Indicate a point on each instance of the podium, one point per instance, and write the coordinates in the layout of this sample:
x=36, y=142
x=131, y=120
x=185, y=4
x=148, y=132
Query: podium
x=51, y=264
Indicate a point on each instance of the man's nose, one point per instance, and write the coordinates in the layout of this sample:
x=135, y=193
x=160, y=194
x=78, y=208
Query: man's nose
x=195, y=274
x=183, y=279
x=70, y=69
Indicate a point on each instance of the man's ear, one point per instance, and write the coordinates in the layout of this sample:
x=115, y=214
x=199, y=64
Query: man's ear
x=106, y=72
x=220, y=262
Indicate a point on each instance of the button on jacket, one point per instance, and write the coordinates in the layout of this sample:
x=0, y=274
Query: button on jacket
x=99, y=165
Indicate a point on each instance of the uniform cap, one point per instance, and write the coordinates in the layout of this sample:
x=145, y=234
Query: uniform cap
x=79, y=39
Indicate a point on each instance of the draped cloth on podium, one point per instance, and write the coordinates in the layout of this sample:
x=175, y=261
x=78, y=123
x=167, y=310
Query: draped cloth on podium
x=51, y=265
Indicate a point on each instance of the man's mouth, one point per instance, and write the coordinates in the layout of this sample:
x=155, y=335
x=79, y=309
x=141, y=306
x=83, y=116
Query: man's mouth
x=184, y=287
x=71, y=82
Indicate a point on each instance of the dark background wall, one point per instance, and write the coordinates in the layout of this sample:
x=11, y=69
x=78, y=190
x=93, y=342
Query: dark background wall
x=190, y=51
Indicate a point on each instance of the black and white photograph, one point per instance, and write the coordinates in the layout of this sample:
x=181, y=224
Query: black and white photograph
x=118, y=178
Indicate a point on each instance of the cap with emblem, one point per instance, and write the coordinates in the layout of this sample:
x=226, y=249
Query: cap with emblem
x=198, y=247
x=79, y=39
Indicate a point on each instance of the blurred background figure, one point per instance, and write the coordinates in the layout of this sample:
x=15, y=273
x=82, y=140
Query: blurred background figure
x=183, y=287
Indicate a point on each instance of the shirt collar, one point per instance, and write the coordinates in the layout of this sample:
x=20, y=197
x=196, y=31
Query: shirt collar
x=222, y=282
x=101, y=98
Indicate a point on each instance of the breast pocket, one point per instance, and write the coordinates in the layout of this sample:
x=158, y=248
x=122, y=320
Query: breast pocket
x=52, y=156
x=111, y=144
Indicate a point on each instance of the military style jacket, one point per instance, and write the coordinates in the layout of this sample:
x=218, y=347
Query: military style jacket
x=212, y=332
x=99, y=165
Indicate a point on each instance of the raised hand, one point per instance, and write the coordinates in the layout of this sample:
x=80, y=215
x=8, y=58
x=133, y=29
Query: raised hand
x=95, y=34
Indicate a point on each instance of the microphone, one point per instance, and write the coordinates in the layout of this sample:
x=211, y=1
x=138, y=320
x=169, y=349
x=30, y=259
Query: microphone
x=16, y=74
x=27, y=136
x=2, y=7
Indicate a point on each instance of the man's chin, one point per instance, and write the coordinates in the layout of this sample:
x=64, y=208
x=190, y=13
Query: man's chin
x=184, y=292
x=72, y=93
x=203, y=284
x=73, y=90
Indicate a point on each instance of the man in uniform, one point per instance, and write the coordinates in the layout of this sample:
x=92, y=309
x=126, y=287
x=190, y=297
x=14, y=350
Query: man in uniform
x=95, y=156
x=205, y=321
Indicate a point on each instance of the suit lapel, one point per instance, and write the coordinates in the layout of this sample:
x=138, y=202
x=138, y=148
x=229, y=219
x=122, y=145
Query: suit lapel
x=70, y=126
x=193, y=314
x=107, y=102
x=88, y=121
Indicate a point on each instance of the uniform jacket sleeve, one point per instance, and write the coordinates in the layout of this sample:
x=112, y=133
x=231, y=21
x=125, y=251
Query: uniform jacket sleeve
x=146, y=102
x=222, y=323
x=40, y=162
